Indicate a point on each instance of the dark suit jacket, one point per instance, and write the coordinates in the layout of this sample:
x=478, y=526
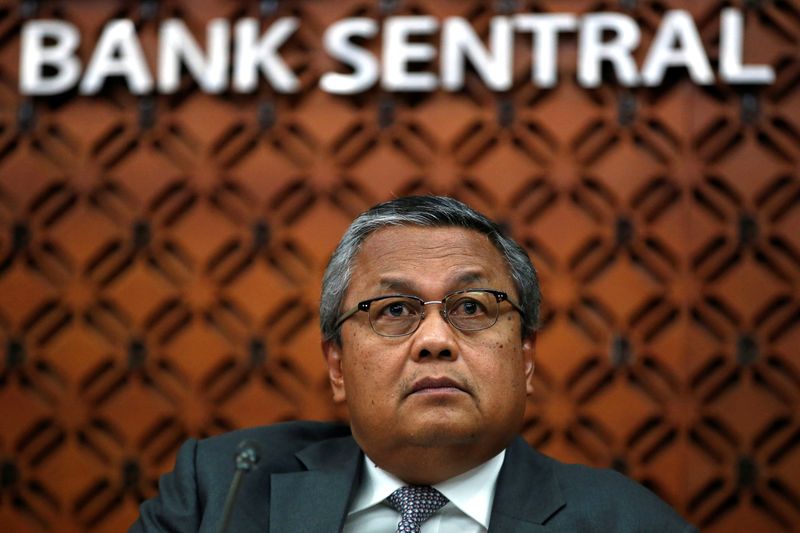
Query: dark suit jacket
x=310, y=470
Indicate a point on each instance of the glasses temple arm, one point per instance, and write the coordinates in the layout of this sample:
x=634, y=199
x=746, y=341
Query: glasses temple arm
x=514, y=304
x=347, y=315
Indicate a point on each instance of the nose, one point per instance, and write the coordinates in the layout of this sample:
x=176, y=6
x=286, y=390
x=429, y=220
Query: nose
x=434, y=338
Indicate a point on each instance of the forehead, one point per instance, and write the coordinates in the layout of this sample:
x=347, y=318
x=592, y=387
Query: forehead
x=422, y=259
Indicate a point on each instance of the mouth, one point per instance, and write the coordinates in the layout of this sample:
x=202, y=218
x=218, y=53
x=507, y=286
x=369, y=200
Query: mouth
x=442, y=385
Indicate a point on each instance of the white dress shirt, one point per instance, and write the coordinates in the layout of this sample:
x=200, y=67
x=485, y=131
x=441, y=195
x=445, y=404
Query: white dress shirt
x=471, y=495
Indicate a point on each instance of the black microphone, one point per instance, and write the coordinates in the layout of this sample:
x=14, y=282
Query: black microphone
x=247, y=458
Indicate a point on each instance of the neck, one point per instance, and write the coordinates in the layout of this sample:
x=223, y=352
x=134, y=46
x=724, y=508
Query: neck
x=431, y=465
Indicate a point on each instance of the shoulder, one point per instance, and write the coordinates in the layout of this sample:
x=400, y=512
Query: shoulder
x=607, y=496
x=274, y=443
x=583, y=498
x=193, y=493
x=600, y=484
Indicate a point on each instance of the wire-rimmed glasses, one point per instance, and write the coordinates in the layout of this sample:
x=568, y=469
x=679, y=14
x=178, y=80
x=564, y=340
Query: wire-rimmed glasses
x=397, y=315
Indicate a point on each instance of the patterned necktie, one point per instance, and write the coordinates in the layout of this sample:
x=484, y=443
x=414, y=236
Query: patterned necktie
x=416, y=503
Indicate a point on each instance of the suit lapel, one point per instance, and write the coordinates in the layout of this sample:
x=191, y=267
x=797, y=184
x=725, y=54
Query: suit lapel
x=527, y=493
x=316, y=500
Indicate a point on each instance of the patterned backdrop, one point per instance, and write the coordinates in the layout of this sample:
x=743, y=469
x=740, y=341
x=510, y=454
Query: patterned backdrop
x=161, y=256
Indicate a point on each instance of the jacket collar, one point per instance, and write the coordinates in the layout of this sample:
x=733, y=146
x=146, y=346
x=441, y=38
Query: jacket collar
x=527, y=491
x=316, y=500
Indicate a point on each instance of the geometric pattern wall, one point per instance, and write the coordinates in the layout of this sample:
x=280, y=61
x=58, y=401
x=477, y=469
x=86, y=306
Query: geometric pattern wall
x=161, y=256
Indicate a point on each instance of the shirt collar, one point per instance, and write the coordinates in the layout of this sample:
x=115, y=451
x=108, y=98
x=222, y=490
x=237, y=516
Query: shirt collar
x=472, y=492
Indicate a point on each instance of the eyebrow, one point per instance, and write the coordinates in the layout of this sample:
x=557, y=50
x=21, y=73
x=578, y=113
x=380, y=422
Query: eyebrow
x=406, y=286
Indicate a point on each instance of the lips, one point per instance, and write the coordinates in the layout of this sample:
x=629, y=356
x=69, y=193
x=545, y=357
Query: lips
x=430, y=384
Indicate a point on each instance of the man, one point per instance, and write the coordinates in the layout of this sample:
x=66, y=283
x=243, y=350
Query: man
x=428, y=319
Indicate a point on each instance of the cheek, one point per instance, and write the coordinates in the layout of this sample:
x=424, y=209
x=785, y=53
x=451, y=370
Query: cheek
x=501, y=364
x=364, y=364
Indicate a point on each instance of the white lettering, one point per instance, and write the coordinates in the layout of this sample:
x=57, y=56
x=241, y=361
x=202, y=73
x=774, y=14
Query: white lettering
x=593, y=50
x=398, y=52
x=544, y=40
x=459, y=42
x=731, y=38
x=365, y=65
x=60, y=56
x=262, y=54
x=176, y=43
x=118, y=53
x=236, y=58
x=677, y=26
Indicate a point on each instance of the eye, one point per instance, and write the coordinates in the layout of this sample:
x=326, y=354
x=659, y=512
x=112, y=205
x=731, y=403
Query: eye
x=467, y=307
x=395, y=309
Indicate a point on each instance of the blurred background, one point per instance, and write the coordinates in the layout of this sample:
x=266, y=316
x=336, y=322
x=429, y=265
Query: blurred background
x=161, y=255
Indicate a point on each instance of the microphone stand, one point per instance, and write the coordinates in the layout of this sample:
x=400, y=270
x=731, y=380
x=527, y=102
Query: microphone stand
x=246, y=459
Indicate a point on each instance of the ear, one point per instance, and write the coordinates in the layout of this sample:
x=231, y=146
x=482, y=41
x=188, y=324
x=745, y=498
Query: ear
x=528, y=350
x=333, y=357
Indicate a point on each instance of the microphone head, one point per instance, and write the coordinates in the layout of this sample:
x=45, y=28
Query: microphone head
x=247, y=455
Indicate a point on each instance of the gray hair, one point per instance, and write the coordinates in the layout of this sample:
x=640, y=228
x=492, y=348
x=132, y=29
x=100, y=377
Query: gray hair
x=427, y=211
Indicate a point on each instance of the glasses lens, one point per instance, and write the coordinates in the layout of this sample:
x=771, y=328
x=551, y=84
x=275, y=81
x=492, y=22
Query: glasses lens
x=473, y=310
x=395, y=316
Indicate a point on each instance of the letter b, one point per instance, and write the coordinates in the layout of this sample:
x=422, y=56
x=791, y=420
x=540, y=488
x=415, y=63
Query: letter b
x=60, y=56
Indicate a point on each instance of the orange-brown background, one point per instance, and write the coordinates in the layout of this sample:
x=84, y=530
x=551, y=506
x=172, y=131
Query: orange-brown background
x=160, y=257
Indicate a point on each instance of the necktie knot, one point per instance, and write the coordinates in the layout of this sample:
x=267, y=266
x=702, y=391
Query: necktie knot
x=415, y=503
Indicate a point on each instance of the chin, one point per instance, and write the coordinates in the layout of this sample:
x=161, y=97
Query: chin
x=442, y=432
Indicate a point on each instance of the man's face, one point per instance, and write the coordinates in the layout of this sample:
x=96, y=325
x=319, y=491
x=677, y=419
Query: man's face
x=437, y=387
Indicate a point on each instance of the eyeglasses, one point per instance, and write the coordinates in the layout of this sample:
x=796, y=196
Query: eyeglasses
x=397, y=315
